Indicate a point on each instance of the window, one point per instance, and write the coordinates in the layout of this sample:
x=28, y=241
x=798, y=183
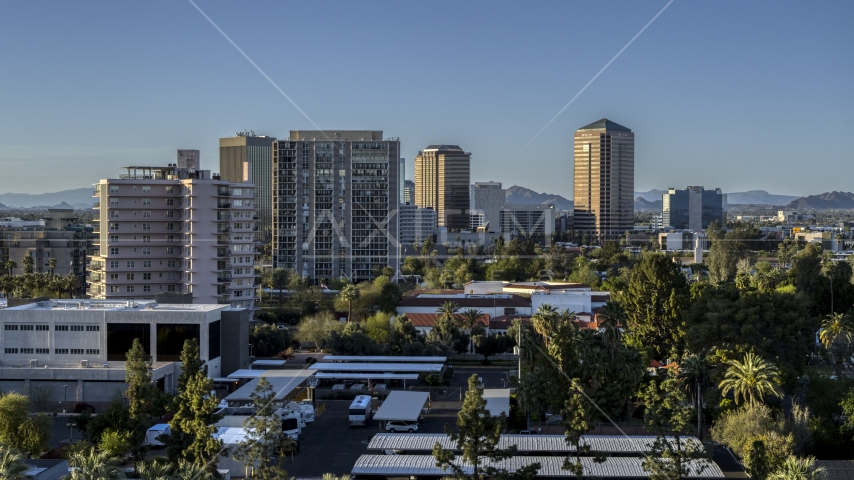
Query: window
x=170, y=288
x=61, y=328
x=120, y=338
x=129, y=289
x=146, y=288
x=27, y=350
x=146, y=251
x=114, y=214
x=114, y=226
x=146, y=264
x=114, y=201
x=42, y=328
x=43, y=351
x=93, y=328
x=10, y=327
x=114, y=238
x=170, y=251
x=238, y=226
x=61, y=351
x=130, y=264
x=114, y=251
x=146, y=189
x=237, y=192
x=170, y=238
x=146, y=201
x=146, y=226
x=170, y=189
x=146, y=238
x=76, y=328
x=114, y=277
x=170, y=263
x=114, y=289
x=93, y=351
x=129, y=276
x=171, y=337
x=170, y=213
x=146, y=214
x=27, y=327
x=170, y=226
x=77, y=351
x=11, y=350
x=114, y=264
x=170, y=201
x=146, y=276
x=114, y=189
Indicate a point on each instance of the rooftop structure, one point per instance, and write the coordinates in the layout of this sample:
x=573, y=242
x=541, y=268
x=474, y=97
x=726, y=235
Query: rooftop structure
x=497, y=401
x=286, y=383
x=405, y=406
x=382, y=359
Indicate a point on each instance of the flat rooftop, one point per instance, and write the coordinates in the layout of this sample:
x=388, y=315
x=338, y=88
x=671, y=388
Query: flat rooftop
x=112, y=305
x=376, y=367
x=383, y=359
x=283, y=382
x=635, y=444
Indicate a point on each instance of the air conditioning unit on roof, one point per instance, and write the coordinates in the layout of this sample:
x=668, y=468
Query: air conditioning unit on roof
x=84, y=363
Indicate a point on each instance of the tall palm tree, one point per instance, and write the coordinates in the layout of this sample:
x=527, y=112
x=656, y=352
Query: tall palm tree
x=29, y=264
x=154, y=470
x=799, y=469
x=12, y=466
x=70, y=282
x=52, y=264
x=7, y=286
x=280, y=279
x=545, y=321
x=94, y=466
x=531, y=395
x=612, y=317
x=694, y=373
x=348, y=294
x=471, y=317
x=751, y=378
x=836, y=335
x=10, y=265
x=448, y=311
x=191, y=471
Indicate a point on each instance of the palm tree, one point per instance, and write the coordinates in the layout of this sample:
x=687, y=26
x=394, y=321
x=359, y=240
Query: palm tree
x=7, y=286
x=545, y=321
x=191, y=471
x=751, y=378
x=11, y=265
x=694, y=373
x=531, y=395
x=448, y=311
x=52, y=264
x=154, y=470
x=471, y=317
x=29, y=264
x=70, y=282
x=836, y=334
x=799, y=469
x=12, y=466
x=348, y=294
x=280, y=279
x=610, y=319
x=94, y=466
x=331, y=476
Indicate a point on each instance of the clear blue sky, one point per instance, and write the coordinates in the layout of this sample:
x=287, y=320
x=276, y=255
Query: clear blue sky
x=730, y=94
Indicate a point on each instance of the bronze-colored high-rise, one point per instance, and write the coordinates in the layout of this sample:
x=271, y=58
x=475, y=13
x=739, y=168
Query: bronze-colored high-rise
x=442, y=179
x=604, y=180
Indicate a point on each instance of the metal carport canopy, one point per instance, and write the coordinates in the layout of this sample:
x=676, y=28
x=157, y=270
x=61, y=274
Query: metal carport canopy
x=377, y=367
x=246, y=373
x=497, y=400
x=402, y=406
x=367, y=376
x=612, y=467
x=383, y=358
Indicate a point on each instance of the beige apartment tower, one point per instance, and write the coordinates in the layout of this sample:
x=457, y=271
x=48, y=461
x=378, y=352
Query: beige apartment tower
x=604, y=179
x=442, y=182
x=257, y=151
x=174, y=229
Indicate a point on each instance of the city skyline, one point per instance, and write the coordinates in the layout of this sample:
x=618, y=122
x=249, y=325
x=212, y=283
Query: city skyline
x=716, y=90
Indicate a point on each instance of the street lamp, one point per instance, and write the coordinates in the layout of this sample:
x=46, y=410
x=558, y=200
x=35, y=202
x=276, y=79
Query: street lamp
x=65, y=392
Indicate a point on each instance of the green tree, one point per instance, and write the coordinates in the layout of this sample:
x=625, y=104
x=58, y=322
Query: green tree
x=751, y=379
x=531, y=396
x=446, y=337
x=318, y=329
x=12, y=466
x=576, y=419
x=18, y=429
x=476, y=437
x=143, y=396
x=348, y=294
x=28, y=264
x=470, y=318
x=195, y=421
x=836, y=334
x=448, y=311
x=694, y=374
x=93, y=465
x=672, y=456
x=377, y=327
x=11, y=265
x=404, y=338
x=269, y=340
x=656, y=296
x=191, y=362
x=264, y=431
x=279, y=280
x=8, y=285
x=155, y=470
x=52, y=264
x=799, y=469
x=115, y=442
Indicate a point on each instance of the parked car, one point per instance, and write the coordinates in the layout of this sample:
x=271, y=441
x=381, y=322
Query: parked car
x=397, y=426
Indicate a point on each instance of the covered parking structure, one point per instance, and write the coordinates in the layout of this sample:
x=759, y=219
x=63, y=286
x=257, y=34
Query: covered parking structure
x=376, y=367
x=381, y=359
x=637, y=445
x=425, y=466
x=403, y=406
x=287, y=384
x=497, y=401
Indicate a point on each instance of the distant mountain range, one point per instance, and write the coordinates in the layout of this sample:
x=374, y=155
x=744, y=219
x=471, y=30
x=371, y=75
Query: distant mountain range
x=517, y=195
x=825, y=201
x=752, y=197
x=644, y=205
x=77, y=198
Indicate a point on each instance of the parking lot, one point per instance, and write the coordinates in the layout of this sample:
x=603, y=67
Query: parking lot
x=330, y=445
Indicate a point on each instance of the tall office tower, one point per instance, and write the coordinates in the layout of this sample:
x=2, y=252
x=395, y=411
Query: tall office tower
x=442, y=175
x=335, y=203
x=174, y=229
x=258, y=152
x=604, y=179
x=409, y=192
x=488, y=198
x=693, y=208
x=402, y=171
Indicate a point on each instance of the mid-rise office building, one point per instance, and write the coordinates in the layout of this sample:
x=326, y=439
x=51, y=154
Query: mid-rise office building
x=604, y=179
x=693, y=208
x=75, y=350
x=528, y=221
x=442, y=179
x=174, y=229
x=416, y=224
x=488, y=198
x=58, y=236
x=336, y=198
x=409, y=192
x=257, y=151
